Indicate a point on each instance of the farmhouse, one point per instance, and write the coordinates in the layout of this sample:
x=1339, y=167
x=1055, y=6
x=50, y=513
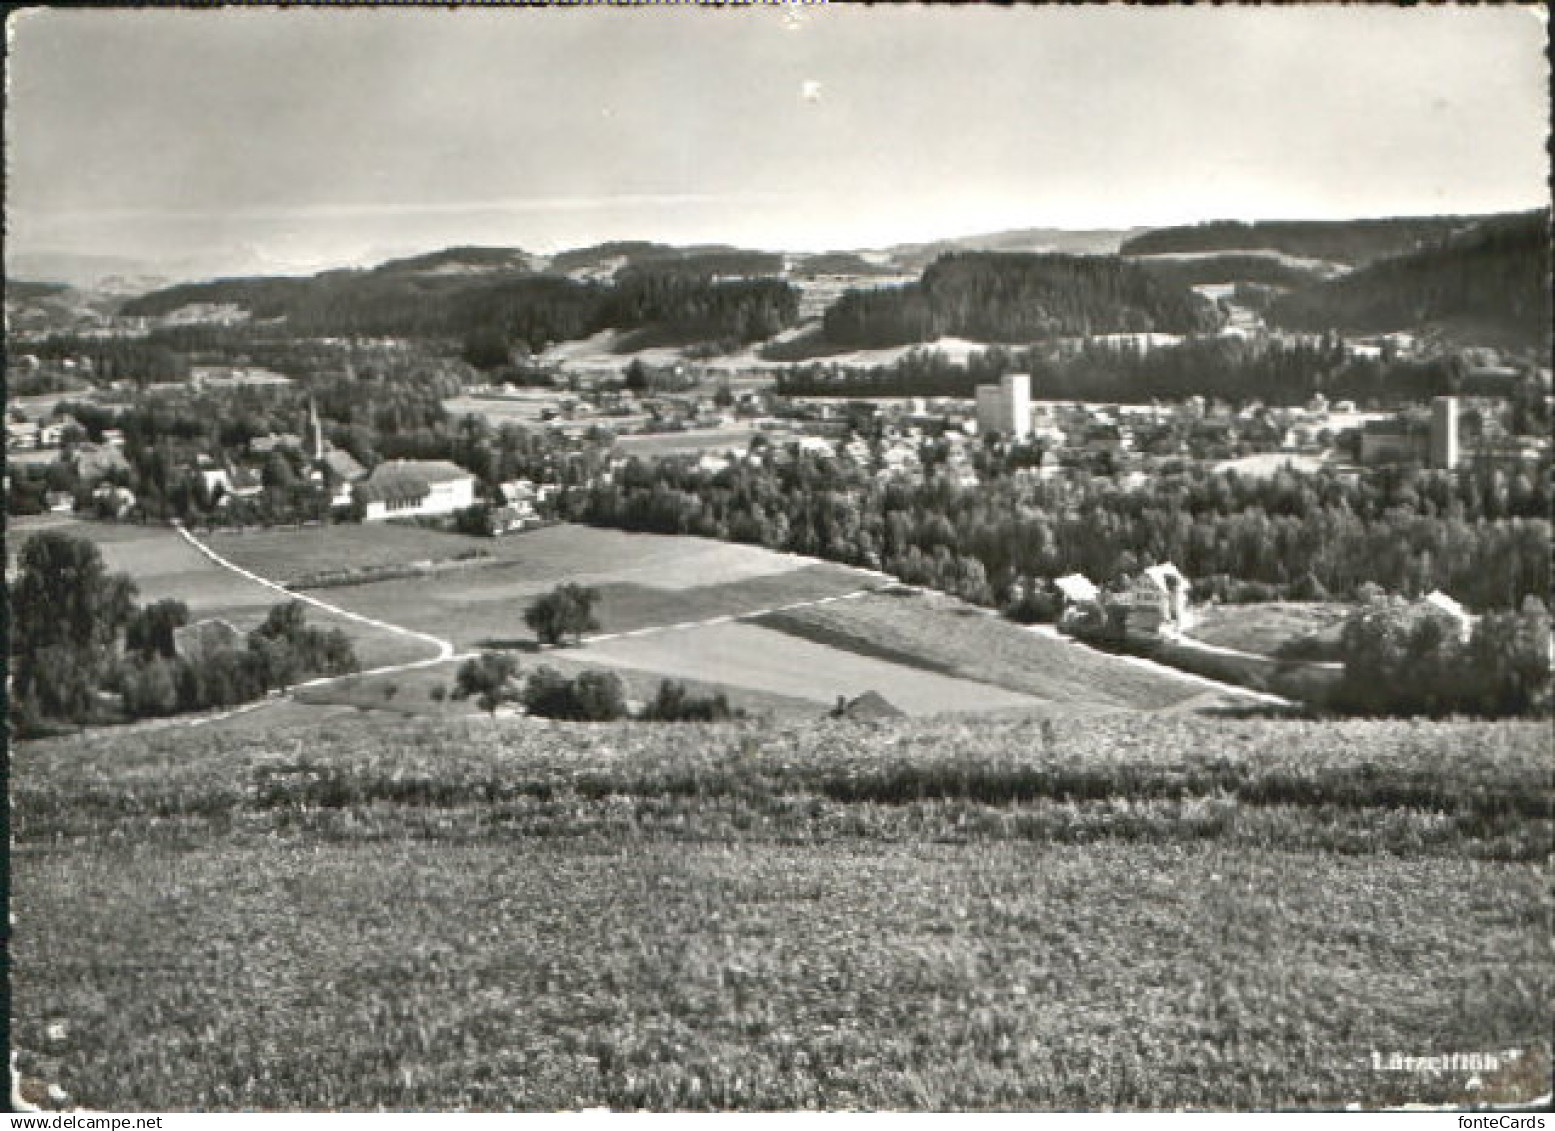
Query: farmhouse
x=239, y=482
x=1156, y=603
x=1439, y=606
x=1076, y=589
x=115, y=501
x=93, y=462
x=1172, y=589
x=203, y=639
x=870, y=705
x=21, y=435
x=275, y=442
x=413, y=488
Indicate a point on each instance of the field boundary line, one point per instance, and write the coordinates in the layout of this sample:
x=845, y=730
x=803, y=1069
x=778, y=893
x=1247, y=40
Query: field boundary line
x=1236, y=653
x=445, y=648
x=1052, y=633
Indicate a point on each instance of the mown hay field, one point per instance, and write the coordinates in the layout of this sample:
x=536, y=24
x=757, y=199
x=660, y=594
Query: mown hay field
x=762, y=660
x=940, y=634
x=542, y=557
x=485, y=608
x=1138, y=911
x=648, y=445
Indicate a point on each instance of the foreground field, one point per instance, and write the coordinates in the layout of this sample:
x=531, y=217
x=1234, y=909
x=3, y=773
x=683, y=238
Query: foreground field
x=1126, y=910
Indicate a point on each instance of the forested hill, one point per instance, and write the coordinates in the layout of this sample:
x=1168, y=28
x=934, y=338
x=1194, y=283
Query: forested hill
x=1003, y=297
x=462, y=291
x=1491, y=282
x=701, y=260
x=1272, y=268
x=463, y=261
x=1353, y=242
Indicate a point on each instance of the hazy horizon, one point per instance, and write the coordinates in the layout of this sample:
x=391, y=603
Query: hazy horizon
x=301, y=139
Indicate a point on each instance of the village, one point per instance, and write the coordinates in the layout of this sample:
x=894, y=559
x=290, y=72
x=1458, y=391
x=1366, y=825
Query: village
x=789, y=557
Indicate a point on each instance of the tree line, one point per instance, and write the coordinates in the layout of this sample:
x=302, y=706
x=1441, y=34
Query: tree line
x=1482, y=536
x=1017, y=297
x=1275, y=371
x=1342, y=241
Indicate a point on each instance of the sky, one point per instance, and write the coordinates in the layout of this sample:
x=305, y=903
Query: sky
x=234, y=139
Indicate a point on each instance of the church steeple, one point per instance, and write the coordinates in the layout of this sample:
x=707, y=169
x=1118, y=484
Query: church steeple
x=315, y=431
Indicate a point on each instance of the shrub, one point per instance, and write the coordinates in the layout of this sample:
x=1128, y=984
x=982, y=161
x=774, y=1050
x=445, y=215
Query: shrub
x=488, y=678
x=593, y=697
x=674, y=704
x=151, y=688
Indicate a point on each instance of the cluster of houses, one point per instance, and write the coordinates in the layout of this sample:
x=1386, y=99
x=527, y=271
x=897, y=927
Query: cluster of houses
x=45, y=434
x=1155, y=604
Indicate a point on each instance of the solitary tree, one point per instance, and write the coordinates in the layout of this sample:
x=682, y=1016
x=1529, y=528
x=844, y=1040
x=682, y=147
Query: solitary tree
x=489, y=679
x=567, y=610
x=637, y=376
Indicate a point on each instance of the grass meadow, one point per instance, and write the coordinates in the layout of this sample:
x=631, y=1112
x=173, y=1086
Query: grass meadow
x=1267, y=629
x=940, y=634
x=758, y=658
x=1126, y=910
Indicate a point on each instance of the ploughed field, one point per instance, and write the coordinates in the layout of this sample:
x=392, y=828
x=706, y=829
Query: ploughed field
x=1130, y=910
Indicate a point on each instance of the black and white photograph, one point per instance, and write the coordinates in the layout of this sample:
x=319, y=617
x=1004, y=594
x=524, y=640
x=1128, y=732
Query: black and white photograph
x=778, y=557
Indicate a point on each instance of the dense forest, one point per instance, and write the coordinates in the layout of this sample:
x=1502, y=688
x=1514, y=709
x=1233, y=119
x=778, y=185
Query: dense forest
x=532, y=309
x=1008, y=297
x=19, y=290
x=701, y=259
x=709, y=264
x=839, y=263
x=461, y=259
x=1341, y=241
x=141, y=360
x=1496, y=275
x=1271, y=269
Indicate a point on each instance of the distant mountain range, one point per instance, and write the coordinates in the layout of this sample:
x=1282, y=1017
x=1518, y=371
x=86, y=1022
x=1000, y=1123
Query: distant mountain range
x=127, y=275
x=1372, y=274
